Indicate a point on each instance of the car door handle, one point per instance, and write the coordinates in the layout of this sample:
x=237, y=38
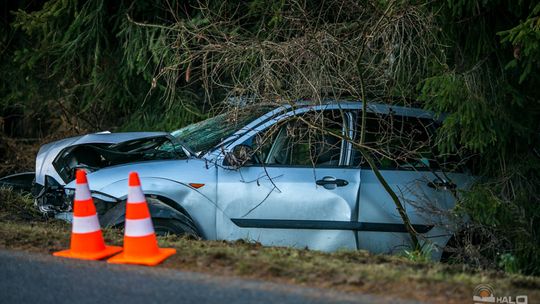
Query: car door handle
x=438, y=184
x=327, y=181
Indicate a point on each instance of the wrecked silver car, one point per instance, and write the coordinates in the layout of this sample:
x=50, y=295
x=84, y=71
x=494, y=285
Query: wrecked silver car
x=264, y=175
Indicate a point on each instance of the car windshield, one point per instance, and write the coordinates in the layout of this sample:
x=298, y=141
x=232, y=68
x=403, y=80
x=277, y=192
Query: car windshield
x=145, y=149
x=204, y=135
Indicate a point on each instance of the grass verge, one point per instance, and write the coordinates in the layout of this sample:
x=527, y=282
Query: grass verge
x=354, y=271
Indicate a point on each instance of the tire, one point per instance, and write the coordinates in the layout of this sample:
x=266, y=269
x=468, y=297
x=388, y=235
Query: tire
x=174, y=226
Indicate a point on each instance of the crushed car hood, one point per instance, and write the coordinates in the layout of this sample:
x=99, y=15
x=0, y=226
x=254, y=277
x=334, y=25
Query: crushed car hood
x=48, y=152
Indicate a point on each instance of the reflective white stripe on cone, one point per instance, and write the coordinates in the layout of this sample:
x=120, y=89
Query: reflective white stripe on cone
x=135, y=195
x=142, y=227
x=82, y=193
x=85, y=224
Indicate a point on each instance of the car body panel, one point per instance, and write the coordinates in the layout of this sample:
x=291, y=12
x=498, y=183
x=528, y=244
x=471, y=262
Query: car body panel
x=287, y=194
x=376, y=205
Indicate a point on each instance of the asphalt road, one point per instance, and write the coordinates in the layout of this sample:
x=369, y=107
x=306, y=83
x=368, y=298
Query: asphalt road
x=38, y=278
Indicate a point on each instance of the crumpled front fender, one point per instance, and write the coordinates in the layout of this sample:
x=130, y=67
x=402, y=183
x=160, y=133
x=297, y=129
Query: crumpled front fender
x=181, y=196
x=116, y=216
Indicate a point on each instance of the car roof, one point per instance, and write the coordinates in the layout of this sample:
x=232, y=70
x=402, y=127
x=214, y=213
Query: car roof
x=329, y=104
x=372, y=107
x=302, y=106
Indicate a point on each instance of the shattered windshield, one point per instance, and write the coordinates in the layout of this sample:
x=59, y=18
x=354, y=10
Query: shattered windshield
x=206, y=134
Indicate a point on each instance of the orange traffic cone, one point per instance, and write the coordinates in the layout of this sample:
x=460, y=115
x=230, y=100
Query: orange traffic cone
x=86, y=238
x=140, y=244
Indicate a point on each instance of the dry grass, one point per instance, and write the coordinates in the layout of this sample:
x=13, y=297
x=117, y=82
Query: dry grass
x=16, y=206
x=354, y=271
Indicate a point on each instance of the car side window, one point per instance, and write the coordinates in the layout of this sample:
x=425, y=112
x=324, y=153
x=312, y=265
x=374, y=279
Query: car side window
x=397, y=142
x=313, y=139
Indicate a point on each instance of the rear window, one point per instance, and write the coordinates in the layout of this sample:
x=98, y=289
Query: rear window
x=407, y=143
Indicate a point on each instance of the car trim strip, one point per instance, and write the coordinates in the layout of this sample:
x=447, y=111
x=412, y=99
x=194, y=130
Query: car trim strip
x=327, y=225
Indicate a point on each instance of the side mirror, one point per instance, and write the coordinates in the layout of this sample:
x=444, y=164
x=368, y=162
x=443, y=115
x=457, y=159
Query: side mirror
x=240, y=155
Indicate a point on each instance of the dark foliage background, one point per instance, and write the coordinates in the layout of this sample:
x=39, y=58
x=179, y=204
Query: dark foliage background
x=71, y=66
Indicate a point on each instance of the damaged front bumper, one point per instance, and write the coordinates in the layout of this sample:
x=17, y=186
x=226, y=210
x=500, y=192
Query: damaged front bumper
x=56, y=201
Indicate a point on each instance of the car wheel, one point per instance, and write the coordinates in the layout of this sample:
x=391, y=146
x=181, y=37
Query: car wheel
x=173, y=226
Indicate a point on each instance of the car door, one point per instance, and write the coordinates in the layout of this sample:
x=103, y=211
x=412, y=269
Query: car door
x=300, y=193
x=401, y=148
